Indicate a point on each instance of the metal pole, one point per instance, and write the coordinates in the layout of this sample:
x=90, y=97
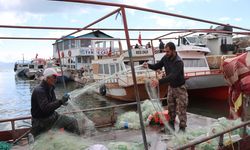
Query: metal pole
x=60, y=62
x=168, y=34
x=98, y=20
x=107, y=29
x=244, y=110
x=36, y=38
x=150, y=10
x=134, y=78
x=153, y=50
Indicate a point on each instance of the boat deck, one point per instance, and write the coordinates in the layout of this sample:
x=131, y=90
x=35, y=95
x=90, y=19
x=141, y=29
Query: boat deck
x=156, y=139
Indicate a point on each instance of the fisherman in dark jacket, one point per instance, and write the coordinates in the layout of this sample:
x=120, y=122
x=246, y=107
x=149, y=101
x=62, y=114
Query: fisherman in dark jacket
x=44, y=104
x=177, y=94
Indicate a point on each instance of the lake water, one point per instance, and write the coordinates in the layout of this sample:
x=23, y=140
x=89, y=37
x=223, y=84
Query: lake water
x=15, y=94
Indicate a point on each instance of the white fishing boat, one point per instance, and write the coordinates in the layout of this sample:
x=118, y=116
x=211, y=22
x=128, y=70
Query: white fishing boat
x=118, y=77
x=201, y=81
x=35, y=68
x=20, y=67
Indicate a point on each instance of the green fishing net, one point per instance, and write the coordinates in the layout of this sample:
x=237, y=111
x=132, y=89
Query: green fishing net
x=131, y=119
x=125, y=146
x=5, y=146
x=220, y=125
x=59, y=141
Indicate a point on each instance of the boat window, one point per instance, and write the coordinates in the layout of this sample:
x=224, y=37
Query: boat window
x=66, y=44
x=100, y=69
x=194, y=62
x=85, y=60
x=117, y=67
x=99, y=44
x=31, y=66
x=191, y=39
x=73, y=43
x=60, y=46
x=106, y=69
x=112, y=68
x=40, y=67
x=85, y=43
x=184, y=41
x=224, y=40
x=79, y=60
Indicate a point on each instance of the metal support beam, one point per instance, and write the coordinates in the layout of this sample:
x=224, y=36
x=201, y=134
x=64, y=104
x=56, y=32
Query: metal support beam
x=134, y=78
x=152, y=11
x=37, y=38
x=168, y=34
x=98, y=20
x=107, y=29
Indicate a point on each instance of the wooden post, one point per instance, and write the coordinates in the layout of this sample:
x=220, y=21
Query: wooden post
x=245, y=107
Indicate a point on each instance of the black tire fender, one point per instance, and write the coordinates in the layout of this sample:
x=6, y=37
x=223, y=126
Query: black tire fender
x=103, y=90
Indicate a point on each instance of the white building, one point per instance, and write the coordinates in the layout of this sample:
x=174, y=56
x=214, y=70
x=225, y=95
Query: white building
x=76, y=53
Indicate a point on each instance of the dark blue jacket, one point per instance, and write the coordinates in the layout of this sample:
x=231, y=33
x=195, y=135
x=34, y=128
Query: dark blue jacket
x=174, y=68
x=43, y=101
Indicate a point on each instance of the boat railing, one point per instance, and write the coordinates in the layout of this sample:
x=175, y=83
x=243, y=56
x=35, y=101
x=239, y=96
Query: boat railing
x=203, y=73
x=121, y=80
x=112, y=121
x=15, y=135
x=13, y=132
x=220, y=135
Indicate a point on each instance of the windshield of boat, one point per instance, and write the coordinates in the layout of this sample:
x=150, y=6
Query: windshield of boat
x=194, y=62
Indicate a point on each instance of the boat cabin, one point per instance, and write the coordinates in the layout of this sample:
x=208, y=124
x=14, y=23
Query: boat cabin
x=218, y=43
x=77, y=52
x=193, y=57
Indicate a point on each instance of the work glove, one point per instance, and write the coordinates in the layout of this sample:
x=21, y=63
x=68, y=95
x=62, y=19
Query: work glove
x=65, y=98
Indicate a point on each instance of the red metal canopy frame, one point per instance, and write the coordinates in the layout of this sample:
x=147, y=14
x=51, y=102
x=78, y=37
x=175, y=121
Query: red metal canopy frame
x=121, y=8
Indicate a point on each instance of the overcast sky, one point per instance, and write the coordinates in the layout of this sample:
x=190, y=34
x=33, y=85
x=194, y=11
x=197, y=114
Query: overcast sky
x=53, y=13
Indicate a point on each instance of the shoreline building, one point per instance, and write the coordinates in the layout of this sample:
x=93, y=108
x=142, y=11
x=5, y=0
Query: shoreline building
x=77, y=53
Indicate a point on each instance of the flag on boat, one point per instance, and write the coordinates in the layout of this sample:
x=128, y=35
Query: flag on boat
x=139, y=39
x=110, y=50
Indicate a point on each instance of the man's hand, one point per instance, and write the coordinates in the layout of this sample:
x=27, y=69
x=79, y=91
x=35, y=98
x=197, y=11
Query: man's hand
x=154, y=83
x=65, y=98
x=145, y=65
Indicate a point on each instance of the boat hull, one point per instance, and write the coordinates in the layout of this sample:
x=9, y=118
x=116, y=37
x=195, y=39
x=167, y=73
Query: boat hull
x=114, y=91
x=30, y=74
x=65, y=78
x=20, y=73
x=214, y=93
x=207, y=86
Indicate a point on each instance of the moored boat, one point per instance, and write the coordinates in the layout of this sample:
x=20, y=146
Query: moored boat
x=201, y=81
x=36, y=67
x=20, y=67
x=118, y=78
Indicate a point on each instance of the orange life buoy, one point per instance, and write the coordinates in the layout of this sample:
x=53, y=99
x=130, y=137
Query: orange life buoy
x=69, y=53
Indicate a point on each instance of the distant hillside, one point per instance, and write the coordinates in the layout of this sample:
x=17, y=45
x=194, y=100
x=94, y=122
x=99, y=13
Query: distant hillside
x=6, y=66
